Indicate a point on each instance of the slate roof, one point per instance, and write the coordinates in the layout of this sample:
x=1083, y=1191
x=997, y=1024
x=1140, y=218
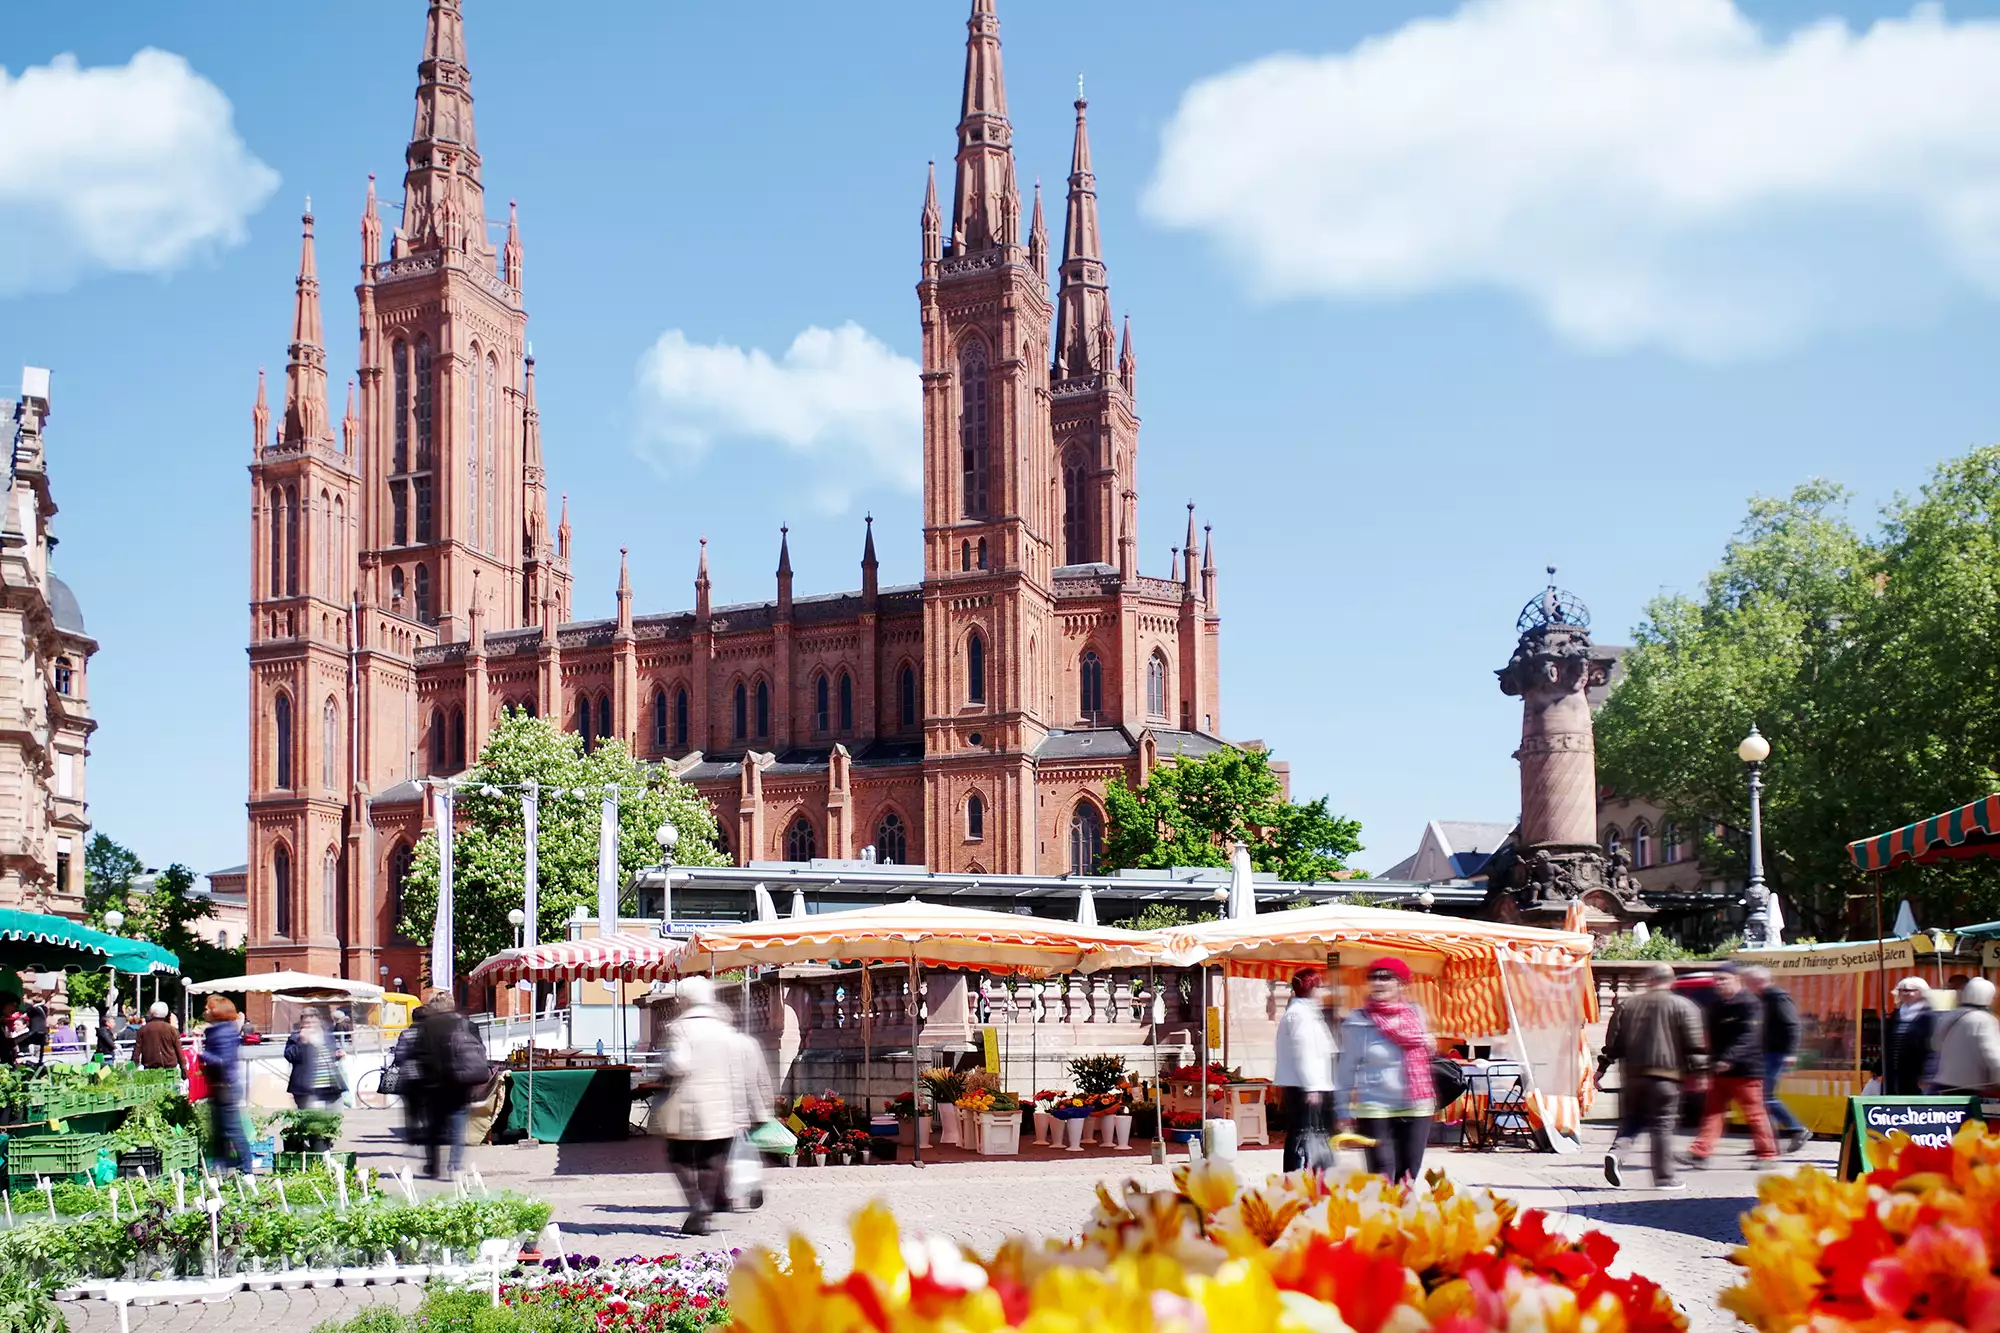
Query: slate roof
x=1101, y=743
x=63, y=606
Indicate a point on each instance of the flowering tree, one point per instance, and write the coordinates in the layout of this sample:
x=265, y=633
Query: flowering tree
x=489, y=850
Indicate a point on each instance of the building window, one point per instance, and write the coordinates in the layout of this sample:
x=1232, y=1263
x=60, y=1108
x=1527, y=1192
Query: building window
x=1090, y=687
x=799, y=841
x=1156, y=685
x=291, y=541
x=329, y=743
x=1076, y=520
x=401, y=858
x=322, y=528
x=1086, y=839
x=982, y=553
x=396, y=589
x=457, y=740
x=64, y=675
x=975, y=817
x=583, y=721
x=62, y=865
x=342, y=586
x=277, y=516
x=972, y=431
x=281, y=890
x=681, y=719
x=742, y=712
x=281, y=721
x=423, y=490
x=975, y=669
x=820, y=702
x=846, y=702
x=659, y=719
x=763, y=710
x=438, y=740
x=1672, y=848
x=492, y=439
x=891, y=844
x=424, y=594
x=65, y=773
x=400, y=360
x=1642, y=846
x=906, y=695
x=604, y=727
x=329, y=890
x=1614, y=841
x=423, y=412
x=965, y=557
x=475, y=422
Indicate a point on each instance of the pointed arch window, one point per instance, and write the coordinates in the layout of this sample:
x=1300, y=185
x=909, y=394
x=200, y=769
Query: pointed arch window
x=583, y=721
x=975, y=818
x=972, y=431
x=659, y=719
x=763, y=709
x=396, y=590
x=820, y=702
x=438, y=741
x=891, y=841
x=401, y=858
x=329, y=889
x=975, y=668
x=906, y=695
x=1156, y=685
x=1614, y=841
x=965, y=557
x=424, y=593
x=281, y=724
x=423, y=411
x=680, y=719
x=281, y=890
x=846, y=702
x=1086, y=839
x=291, y=541
x=742, y=719
x=338, y=580
x=277, y=517
x=982, y=553
x=399, y=361
x=1642, y=846
x=1090, y=687
x=604, y=727
x=800, y=844
x=457, y=740
x=329, y=744
x=1076, y=518
x=321, y=527
x=492, y=440
x=475, y=421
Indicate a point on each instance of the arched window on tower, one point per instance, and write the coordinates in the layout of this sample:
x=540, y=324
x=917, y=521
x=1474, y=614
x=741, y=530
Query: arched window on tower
x=680, y=719
x=281, y=725
x=458, y=740
x=763, y=710
x=1156, y=685
x=1076, y=517
x=399, y=361
x=396, y=590
x=659, y=719
x=337, y=580
x=401, y=858
x=423, y=424
x=846, y=702
x=1086, y=839
x=65, y=676
x=965, y=557
x=291, y=541
x=277, y=517
x=891, y=843
x=800, y=844
x=583, y=721
x=423, y=598
x=604, y=728
x=742, y=710
x=975, y=817
x=972, y=431
x=821, y=705
x=438, y=741
x=329, y=889
x=906, y=695
x=975, y=668
x=329, y=744
x=1642, y=846
x=1090, y=687
x=281, y=890
x=492, y=440
x=475, y=422
x=321, y=529
x=982, y=553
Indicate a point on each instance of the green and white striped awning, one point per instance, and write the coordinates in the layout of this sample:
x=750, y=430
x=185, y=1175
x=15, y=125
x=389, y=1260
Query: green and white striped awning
x=1971, y=830
x=38, y=942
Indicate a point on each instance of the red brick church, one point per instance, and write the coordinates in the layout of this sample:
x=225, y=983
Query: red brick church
x=407, y=584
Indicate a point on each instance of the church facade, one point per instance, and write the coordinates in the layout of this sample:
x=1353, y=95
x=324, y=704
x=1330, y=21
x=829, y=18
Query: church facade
x=407, y=585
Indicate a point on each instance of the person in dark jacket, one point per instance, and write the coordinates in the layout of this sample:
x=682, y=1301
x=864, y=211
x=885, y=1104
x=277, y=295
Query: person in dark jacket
x=451, y=1063
x=158, y=1045
x=1656, y=1037
x=1736, y=1049
x=1781, y=1052
x=403, y=1062
x=315, y=1078
x=1906, y=1046
x=222, y=1064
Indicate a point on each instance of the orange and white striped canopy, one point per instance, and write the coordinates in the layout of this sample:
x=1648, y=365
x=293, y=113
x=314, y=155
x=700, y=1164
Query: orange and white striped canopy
x=1308, y=935
x=934, y=935
x=593, y=958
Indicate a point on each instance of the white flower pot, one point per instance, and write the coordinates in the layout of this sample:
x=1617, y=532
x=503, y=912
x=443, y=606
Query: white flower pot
x=1073, y=1133
x=1045, y=1128
x=1121, y=1130
x=949, y=1123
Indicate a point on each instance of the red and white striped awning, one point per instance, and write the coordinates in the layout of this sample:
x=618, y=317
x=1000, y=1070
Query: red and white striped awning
x=592, y=958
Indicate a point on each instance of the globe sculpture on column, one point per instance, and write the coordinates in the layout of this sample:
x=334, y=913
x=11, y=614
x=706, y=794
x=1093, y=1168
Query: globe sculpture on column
x=1555, y=854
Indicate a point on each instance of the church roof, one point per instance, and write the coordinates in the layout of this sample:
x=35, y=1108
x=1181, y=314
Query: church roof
x=63, y=606
x=1101, y=743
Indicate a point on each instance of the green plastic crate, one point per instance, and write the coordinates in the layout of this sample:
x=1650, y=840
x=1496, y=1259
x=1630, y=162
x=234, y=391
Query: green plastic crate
x=57, y=1157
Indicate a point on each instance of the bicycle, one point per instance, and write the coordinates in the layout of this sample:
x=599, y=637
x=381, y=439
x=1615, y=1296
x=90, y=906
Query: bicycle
x=369, y=1092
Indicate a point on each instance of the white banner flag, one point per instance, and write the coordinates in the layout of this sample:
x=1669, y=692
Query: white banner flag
x=531, y=816
x=443, y=970
x=607, y=866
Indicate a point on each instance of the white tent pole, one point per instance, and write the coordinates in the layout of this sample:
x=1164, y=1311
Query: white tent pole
x=916, y=1065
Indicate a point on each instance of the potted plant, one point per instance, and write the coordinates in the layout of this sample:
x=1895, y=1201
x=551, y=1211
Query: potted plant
x=1181, y=1126
x=946, y=1087
x=912, y=1126
x=812, y=1143
x=1047, y=1127
x=307, y=1131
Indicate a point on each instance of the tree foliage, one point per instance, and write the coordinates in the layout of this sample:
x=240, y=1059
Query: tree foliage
x=164, y=911
x=489, y=850
x=1191, y=812
x=1870, y=661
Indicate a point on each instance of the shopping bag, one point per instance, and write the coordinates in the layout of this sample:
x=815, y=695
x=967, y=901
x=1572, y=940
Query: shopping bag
x=774, y=1138
x=197, y=1081
x=746, y=1176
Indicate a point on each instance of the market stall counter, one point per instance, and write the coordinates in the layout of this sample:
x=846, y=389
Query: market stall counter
x=584, y=1104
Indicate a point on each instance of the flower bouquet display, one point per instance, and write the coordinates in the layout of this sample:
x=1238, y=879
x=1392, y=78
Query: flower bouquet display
x=1914, y=1244
x=946, y=1087
x=1301, y=1252
x=1181, y=1126
x=1047, y=1127
x=813, y=1144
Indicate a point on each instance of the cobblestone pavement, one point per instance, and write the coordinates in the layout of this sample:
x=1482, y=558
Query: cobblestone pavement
x=616, y=1199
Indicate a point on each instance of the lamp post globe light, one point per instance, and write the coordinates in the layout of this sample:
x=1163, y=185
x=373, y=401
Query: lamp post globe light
x=669, y=838
x=114, y=921
x=515, y=918
x=1753, y=751
x=1426, y=900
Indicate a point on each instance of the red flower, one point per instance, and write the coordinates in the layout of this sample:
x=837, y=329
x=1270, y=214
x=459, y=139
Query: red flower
x=1366, y=1289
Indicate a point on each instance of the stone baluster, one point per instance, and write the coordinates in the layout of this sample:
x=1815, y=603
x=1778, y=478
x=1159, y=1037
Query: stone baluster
x=1100, y=1000
x=1028, y=1001
x=1079, y=999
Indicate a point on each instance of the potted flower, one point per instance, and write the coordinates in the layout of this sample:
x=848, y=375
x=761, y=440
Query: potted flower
x=1181, y=1126
x=946, y=1086
x=1119, y=1120
x=1047, y=1127
x=812, y=1142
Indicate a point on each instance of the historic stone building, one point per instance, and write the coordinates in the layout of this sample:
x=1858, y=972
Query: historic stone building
x=44, y=694
x=407, y=585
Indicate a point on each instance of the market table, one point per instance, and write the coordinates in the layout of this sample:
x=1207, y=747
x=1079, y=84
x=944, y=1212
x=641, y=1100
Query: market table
x=571, y=1105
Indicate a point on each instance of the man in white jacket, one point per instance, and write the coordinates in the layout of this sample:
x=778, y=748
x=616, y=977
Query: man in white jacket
x=1968, y=1047
x=1305, y=1072
x=708, y=1106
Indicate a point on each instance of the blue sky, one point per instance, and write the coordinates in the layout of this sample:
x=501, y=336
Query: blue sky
x=1444, y=297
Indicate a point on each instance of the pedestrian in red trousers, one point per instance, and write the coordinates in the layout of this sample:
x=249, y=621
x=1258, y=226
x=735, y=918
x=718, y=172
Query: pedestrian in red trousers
x=1736, y=1043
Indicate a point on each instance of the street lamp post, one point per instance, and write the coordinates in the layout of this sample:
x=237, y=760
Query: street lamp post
x=114, y=921
x=1426, y=900
x=669, y=838
x=516, y=918
x=1753, y=751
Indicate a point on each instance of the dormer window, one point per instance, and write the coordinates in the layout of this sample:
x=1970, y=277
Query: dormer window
x=65, y=676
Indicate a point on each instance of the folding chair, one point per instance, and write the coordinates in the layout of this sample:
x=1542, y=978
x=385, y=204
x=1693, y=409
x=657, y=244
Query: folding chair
x=1507, y=1108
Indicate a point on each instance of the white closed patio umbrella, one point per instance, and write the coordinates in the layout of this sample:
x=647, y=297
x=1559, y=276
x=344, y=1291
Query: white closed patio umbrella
x=766, y=909
x=798, y=904
x=1774, y=930
x=1242, y=890
x=1086, y=908
x=1906, y=922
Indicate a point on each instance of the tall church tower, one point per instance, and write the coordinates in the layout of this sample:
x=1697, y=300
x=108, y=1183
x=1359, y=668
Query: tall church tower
x=988, y=481
x=445, y=412
x=305, y=493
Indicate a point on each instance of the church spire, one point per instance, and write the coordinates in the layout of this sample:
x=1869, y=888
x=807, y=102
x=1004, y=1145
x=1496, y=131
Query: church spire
x=784, y=572
x=1189, y=556
x=350, y=425
x=701, y=584
x=985, y=210
x=260, y=417
x=869, y=564
x=443, y=201
x=1083, y=306
x=932, y=219
x=305, y=370
x=624, y=593
x=371, y=234
x=1038, y=238
x=510, y=258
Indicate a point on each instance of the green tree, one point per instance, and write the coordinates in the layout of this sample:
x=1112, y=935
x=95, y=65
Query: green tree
x=108, y=870
x=489, y=850
x=162, y=910
x=1190, y=812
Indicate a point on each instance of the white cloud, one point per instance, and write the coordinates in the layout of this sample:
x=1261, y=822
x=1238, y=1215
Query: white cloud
x=1637, y=171
x=132, y=168
x=840, y=400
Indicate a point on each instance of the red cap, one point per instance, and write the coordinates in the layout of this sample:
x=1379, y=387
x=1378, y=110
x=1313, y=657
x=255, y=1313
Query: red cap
x=1394, y=966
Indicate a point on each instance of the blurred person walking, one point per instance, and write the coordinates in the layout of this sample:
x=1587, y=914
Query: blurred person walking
x=708, y=1105
x=1781, y=1052
x=451, y=1063
x=315, y=1079
x=1382, y=1080
x=222, y=1070
x=1968, y=1047
x=1736, y=1047
x=1305, y=1072
x=1656, y=1038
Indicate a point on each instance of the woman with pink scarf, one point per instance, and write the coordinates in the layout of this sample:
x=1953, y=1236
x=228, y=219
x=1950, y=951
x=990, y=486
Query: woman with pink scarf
x=1383, y=1081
